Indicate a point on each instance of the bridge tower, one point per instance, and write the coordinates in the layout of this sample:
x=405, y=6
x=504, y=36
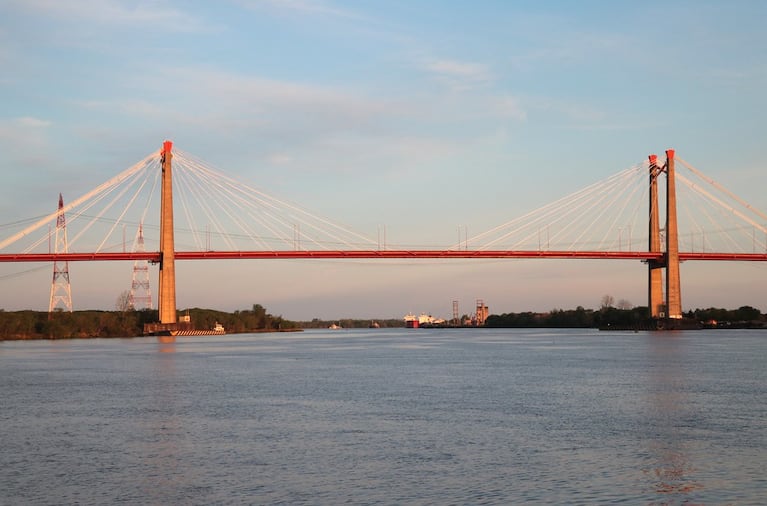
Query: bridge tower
x=61, y=291
x=167, y=285
x=140, y=292
x=673, y=284
x=655, y=267
x=671, y=306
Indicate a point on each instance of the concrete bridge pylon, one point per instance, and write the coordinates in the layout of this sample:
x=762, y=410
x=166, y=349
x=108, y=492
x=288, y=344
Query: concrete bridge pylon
x=670, y=306
x=167, y=288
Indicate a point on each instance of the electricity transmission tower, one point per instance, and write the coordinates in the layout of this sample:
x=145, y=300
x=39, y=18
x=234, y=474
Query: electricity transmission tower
x=140, y=292
x=61, y=291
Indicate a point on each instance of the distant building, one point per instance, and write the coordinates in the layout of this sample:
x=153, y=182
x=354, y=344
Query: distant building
x=481, y=313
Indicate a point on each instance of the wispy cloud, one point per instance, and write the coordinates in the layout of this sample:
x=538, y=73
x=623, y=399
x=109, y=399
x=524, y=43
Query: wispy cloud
x=310, y=127
x=279, y=159
x=277, y=101
x=460, y=75
x=14, y=131
x=301, y=7
x=126, y=107
x=24, y=141
x=30, y=122
x=511, y=107
x=269, y=116
x=112, y=13
x=467, y=70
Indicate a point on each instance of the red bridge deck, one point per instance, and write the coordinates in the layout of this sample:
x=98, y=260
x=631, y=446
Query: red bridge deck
x=372, y=254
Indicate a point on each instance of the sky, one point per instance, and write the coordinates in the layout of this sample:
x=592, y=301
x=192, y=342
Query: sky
x=423, y=118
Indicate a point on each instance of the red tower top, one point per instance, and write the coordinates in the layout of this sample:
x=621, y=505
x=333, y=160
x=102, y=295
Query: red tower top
x=60, y=220
x=167, y=146
x=670, y=154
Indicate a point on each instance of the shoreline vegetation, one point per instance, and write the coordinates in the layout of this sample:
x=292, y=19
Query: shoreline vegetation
x=20, y=325
x=636, y=318
x=28, y=324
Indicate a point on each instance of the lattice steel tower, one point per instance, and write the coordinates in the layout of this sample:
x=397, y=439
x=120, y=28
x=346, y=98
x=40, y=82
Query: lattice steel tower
x=61, y=291
x=140, y=292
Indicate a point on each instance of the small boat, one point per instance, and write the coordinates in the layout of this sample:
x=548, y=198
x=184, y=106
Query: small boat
x=218, y=328
x=335, y=327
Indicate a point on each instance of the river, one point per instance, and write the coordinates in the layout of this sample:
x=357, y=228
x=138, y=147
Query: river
x=387, y=416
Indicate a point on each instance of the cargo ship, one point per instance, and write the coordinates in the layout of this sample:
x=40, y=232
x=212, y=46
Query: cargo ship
x=423, y=320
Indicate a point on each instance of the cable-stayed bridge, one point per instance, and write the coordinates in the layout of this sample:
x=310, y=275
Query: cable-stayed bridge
x=658, y=212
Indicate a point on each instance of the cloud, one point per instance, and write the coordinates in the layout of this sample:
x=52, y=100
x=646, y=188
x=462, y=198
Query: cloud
x=511, y=107
x=301, y=7
x=28, y=122
x=216, y=98
x=24, y=145
x=460, y=75
x=127, y=107
x=467, y=70
x=18, y=135
x=280, y=159
x=309, y=128
x=112, y=12
x=398, y=152
x=573, y=113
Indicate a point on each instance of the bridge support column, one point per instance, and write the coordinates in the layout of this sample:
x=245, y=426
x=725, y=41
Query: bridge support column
x=673, y=285
x=655, y=267
x=167, y=289
x=669, y=307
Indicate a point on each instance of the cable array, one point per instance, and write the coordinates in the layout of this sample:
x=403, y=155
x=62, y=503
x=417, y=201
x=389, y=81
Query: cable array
x=212, y=211
x=604, y=216
x=215, y=212
x=613, y=215
x=712, y=218
x=224, y=213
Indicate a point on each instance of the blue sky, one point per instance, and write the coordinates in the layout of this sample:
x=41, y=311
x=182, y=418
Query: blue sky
x=420, y=116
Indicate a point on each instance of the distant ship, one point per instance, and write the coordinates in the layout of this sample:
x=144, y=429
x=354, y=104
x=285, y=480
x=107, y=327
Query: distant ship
x=335, y=327
x=184, y=327
x=423, y=320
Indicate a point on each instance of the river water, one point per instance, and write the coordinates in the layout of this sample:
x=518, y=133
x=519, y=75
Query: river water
x=384, y=416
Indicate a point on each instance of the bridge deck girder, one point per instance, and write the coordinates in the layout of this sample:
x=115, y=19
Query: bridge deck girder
x=380, y=254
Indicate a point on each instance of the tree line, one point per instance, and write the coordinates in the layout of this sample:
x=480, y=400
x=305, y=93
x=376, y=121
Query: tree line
x=632, y=317
x=352, y=323
x=128, y=322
